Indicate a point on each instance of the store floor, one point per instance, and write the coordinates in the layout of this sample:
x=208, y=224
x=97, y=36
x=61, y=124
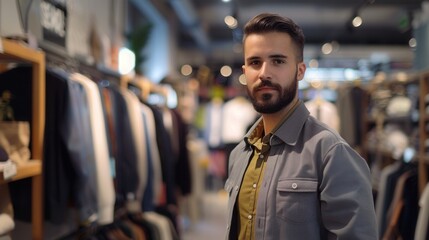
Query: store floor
x=208, y=223
x=211, y=223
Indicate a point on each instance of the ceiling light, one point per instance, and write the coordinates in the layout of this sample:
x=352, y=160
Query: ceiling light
x=327, y=48
x=357, y=21
x=226, y=71
x=226, y=0
x=313, y=63
x=242, y=79
x=186, y=70
x=127, y=61
x=412, y=43
x=231, y=22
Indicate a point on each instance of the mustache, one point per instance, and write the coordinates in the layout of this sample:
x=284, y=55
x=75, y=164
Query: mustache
x=266, y=83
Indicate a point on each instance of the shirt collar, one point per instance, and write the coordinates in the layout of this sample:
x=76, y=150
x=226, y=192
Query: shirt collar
x=288, y=129
x=260, y=142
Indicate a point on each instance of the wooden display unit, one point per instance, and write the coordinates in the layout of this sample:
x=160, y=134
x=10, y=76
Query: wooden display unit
x=30, y=169
x=12, y=51
x=377, y=122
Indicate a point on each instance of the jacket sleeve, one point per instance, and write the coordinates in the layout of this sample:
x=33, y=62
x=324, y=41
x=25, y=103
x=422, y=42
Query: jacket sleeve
x=347, y=205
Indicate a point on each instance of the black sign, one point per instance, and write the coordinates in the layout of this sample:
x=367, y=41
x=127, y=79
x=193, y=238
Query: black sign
x=54, y=22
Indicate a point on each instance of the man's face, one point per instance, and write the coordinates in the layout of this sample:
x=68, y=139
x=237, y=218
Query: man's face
x=272, y=71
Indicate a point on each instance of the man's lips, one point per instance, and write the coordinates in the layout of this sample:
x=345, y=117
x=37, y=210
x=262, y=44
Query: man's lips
x=265, y=88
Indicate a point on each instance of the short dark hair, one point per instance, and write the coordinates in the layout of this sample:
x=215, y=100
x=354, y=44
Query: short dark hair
x=267, y=22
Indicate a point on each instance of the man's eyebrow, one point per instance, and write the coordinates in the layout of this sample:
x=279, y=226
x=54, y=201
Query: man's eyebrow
x=252, y=58
x=278, y=56
x=271, y=56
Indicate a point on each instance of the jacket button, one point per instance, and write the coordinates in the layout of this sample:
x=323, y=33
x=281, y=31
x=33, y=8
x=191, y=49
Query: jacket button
x=294, y=185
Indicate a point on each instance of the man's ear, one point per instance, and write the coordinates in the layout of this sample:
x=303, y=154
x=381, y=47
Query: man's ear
x=301, y=71
x=242, y=78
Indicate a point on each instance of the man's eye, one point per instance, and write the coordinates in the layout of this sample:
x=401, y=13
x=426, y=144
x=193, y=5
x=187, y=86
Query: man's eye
x=253, y=62
x=278, y=61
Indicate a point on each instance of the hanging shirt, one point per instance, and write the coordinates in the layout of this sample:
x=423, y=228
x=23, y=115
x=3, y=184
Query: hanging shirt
x=105, y=188
x=324, y=111
x=238, y=115
x=213, y=121
x=136, y=121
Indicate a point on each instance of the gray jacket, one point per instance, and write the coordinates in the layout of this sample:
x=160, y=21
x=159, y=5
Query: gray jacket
x=315, y=185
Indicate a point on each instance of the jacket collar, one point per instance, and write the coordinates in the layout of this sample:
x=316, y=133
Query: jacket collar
x=289, y=131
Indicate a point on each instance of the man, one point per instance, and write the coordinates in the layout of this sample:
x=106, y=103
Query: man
x=292, y=177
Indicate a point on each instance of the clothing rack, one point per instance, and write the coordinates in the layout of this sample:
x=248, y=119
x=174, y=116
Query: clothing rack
x=58, y=57
x=144, y=86
x=140, y=84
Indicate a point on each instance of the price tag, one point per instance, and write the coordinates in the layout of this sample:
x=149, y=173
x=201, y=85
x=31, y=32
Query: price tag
x=9, y=170
x=1, y=46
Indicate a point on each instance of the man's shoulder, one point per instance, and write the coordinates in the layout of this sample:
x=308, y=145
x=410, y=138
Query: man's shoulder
x=317, y=132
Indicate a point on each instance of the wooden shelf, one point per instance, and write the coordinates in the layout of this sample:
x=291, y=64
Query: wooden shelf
x=407, y=123
x=30, y=169
x=14, y=51
x=424, y=158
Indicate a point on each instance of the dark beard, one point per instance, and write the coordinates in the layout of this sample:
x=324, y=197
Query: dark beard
x=267, y=104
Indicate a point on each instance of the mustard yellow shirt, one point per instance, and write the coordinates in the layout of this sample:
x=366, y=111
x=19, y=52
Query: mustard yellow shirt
x=248, y=195
x=250, y=187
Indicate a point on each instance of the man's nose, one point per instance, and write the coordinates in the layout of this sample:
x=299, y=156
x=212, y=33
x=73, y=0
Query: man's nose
x=265, y=72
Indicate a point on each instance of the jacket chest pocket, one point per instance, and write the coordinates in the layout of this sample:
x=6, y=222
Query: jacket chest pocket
x=297, y=200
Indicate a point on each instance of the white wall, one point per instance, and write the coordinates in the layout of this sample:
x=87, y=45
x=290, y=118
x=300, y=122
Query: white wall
x=106, y=16
x=157, y=65
x=9, y=19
